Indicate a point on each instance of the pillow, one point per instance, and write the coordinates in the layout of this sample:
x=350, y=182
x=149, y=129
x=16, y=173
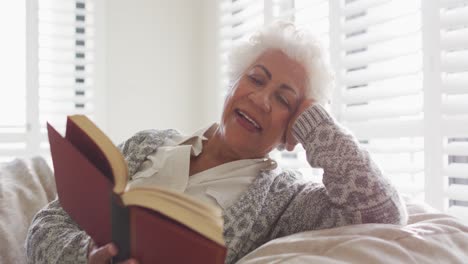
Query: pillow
x=429, y=237
x=26, y=185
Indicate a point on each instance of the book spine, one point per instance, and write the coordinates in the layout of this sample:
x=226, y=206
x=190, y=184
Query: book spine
x=120, y=228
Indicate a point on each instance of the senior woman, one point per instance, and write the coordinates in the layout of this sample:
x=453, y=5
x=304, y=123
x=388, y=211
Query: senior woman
x=279, y=84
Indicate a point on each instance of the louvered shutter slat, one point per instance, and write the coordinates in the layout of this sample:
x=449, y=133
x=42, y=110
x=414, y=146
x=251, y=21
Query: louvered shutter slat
x=403, y=168
x=243, y=29
x=380, y=73
x=361, y=6
x=386, y=128
x=395, y=148
x=241, y=16
x=367, y=112
x=454, y=40
x=313, y=10
x=230, y=6
x=397, y=87
x=359, y=60
x=10, y=152
x=451, y=3
x=380, y=14
x=65, y=74
x=454, y=17
x=458, y=192
x=455, y=105
x=409, y=26
x=455, y=83
x=456, y=61
x=455, y=126
x=457, y=149
x=457, y=170
x=12, y=137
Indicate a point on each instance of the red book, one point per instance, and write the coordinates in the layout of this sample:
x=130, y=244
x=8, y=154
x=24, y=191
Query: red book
x=151, y=224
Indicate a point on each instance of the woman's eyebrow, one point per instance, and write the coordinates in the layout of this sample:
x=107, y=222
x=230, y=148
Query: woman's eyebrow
x=267, y=72
x=288, y=88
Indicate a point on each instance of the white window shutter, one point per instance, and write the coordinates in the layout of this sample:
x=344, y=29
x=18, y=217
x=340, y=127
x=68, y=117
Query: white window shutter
x=453, y=98
x=66, y=59
x=379, y=84
x=66, y=63
x=60, y=73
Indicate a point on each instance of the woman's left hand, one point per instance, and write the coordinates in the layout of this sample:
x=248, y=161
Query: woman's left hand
x=290, y=139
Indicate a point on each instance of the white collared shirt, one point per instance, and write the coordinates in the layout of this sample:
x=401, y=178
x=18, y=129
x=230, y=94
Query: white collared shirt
x=169, y=167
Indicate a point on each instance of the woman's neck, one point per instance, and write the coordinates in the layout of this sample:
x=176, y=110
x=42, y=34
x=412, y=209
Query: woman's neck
x=215, y=152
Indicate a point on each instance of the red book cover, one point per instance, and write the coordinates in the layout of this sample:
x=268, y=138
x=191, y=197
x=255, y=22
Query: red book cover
x=84, y=193
x=169, y=241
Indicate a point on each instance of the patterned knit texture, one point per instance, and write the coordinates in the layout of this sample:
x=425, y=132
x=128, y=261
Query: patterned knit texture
x=276, y=204
x=143, y=143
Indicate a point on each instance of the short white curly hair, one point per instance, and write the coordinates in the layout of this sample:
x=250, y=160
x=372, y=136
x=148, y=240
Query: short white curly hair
x=299, y=45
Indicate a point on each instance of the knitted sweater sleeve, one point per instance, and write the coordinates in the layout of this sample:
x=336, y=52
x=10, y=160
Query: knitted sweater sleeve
x=54, y=237
x=354, y=189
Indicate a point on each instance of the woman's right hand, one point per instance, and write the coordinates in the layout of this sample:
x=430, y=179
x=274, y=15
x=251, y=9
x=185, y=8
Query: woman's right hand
x=104, y=254
x=290, y=141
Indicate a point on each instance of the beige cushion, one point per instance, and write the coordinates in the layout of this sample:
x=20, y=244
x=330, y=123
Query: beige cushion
x=429, y=237
x=26, y=185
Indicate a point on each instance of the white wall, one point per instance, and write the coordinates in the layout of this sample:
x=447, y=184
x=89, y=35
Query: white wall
x=210, y=70
x=157, y=51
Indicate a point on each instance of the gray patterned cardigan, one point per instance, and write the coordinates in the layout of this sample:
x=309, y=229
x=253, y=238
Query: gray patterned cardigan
x=276, y=204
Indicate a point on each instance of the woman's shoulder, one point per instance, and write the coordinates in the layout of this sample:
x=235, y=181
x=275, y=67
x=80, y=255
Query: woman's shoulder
x=154, y=133
x=141, y=144
x=148, y=136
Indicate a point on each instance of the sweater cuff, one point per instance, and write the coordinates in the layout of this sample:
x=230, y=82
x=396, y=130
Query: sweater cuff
x=308, y=120
x=83, y=251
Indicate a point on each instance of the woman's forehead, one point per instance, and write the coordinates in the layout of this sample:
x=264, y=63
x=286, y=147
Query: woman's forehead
x=282, y=68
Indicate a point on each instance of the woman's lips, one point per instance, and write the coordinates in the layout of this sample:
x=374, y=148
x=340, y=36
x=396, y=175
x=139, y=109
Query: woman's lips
x=246, y=123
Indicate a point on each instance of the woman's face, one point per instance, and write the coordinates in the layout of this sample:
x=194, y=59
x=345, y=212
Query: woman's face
x=261, y=103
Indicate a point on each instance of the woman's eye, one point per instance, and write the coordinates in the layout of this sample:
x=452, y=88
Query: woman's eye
x=283, y=100
x=256, y=80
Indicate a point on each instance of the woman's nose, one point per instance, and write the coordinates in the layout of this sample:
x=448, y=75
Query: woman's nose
x=261, y=99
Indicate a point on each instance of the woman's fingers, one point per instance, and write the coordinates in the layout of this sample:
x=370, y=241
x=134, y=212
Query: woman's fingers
x=129, y=261
x=290, y=142
x=102, y=254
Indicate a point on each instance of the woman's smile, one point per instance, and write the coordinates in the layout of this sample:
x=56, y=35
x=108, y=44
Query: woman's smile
x=248, y=122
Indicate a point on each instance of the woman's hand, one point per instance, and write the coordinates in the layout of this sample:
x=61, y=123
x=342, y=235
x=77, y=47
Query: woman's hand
x=104, y=254
x=290, y=141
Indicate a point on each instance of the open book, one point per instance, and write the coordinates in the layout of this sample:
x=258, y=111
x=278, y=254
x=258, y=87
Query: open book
x=150, y=224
